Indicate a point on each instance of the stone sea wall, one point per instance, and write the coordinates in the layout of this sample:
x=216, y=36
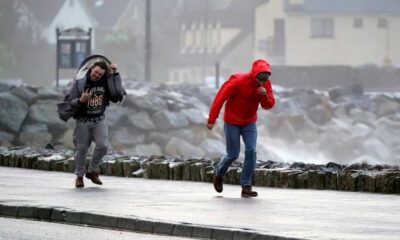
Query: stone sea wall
x=343, y=125
x=297, y=175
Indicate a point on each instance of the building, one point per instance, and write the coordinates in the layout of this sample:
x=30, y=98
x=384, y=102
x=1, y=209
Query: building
x=324, y=32
x=212, y=32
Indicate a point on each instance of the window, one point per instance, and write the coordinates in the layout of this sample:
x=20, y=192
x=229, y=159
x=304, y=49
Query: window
x=80, y=52
x=296, y=1
x=294, y=5
x=183, y=36
x=65, y=55
x=358, y=23
x=322, y=28
x=382, y=23
x=175, y=77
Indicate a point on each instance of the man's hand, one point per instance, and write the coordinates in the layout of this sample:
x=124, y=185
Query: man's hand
x=85, y=96
x=210, y=126
x=114, y=67
x=262, y=91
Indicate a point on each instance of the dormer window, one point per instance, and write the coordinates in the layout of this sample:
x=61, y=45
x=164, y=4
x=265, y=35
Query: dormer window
x=295, y=4
x=358, y=23
x=322, y=28
x=382, y=23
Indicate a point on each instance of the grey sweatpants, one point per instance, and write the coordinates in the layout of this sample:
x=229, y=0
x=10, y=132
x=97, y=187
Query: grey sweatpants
x=84, y=134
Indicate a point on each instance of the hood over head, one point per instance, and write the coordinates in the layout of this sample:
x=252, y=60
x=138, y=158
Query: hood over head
x=260, y=65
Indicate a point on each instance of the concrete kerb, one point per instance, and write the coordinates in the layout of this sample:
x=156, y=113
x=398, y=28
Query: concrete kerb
x=68, y=216
x=9, y=211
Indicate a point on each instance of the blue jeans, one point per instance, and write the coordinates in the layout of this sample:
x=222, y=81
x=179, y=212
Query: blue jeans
x=232, y=136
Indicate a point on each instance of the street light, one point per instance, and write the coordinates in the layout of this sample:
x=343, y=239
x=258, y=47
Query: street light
x=147, y=66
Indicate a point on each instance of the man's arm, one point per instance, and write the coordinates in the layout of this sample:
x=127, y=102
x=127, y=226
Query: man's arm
x=73, y=95
x=224, y=93
x=115, y=85
x=267, y=96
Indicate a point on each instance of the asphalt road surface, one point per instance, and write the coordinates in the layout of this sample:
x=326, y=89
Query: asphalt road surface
x=21, y=229
x=299, y=213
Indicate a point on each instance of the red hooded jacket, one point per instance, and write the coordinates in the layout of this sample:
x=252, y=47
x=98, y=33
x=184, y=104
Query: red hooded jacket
x=242, y=97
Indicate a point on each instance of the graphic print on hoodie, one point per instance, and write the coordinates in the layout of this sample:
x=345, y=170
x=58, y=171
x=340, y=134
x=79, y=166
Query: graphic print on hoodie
x=96, y=105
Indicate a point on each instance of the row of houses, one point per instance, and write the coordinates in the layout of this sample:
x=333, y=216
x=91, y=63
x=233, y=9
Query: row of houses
x=323, y=32
x=190, y=37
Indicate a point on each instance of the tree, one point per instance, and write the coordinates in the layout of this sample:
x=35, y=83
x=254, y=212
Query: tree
x=8, y=20
x=21, y=54
x=7, y=59
x=8, y=27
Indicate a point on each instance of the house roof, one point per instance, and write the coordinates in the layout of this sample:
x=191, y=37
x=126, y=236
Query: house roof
x=44, y=10
x=106, y=12
x=345, y=6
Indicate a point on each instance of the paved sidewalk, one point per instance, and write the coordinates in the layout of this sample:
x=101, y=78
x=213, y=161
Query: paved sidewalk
x=195, y=209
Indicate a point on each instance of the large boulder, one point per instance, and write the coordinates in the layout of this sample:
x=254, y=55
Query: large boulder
x=308, y=132
x=147, y=149
x=166, y=120
x=388, y=131
x=6, y=139
x=377, y=149
x=383, y=105
x=26, y=93
x=362, y=116
x=34, y=135
x=151, y=102
x=126, y=138
x=181, y=147
x=296, y=120
x=142, y=121
x=118, y=116
x=186, y=134
x=49, y=94
x=341, y=111
x=286, y=131
x=319, y=115
x=213, y=147
x=340, y=93
x=161, y=139
x=13, y=111
x=66, y=139
x=34, y=139
x=195, y=116
x=45, y=111
x=361, y=130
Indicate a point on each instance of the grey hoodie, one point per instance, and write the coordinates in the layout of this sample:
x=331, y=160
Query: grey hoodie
x=71, y=105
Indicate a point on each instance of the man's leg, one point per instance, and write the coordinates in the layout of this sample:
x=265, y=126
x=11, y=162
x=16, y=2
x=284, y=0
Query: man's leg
x=100, y=137
x=81, y=140
x=249, y=135
x=232, y=137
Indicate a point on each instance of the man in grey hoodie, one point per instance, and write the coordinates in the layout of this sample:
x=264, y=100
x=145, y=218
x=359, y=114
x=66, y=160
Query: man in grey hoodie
x=90, y=95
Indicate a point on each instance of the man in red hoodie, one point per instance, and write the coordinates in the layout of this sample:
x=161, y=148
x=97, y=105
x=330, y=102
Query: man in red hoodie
x=243, y=93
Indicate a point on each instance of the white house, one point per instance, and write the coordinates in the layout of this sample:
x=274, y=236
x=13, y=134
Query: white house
x=73, y=13
x=324, y=32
